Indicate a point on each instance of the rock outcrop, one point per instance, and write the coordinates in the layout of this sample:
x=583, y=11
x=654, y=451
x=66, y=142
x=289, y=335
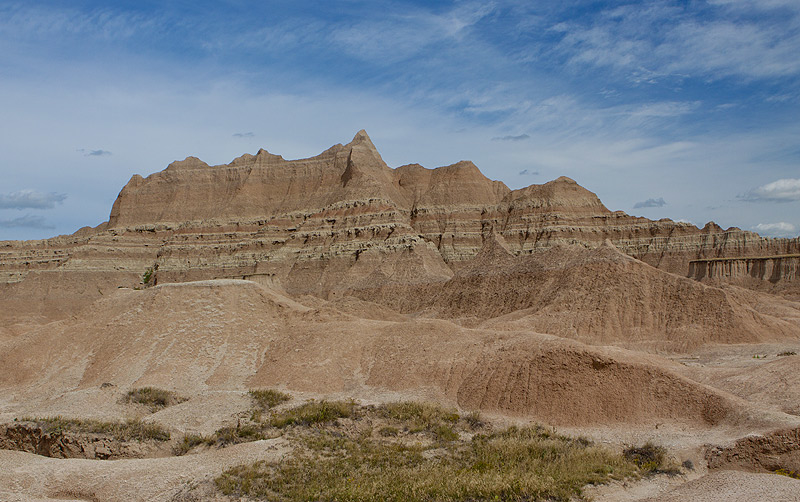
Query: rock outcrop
x=341, y=221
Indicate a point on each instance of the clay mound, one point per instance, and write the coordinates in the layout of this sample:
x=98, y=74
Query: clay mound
x=599, y=296
x=773, y=384
x=176, y=333
x=234, y=335
x=49, y=295
x=733, y=486
x=777, y=450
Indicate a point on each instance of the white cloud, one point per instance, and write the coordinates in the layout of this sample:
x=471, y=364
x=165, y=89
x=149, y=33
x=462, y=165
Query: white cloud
x=728, y=41
x=779, y=229
x=659, y=202
x=31, y=199
x=94, y=153
x=783, y=190
x=398, y=36
x=519, y=137
x=27, y=221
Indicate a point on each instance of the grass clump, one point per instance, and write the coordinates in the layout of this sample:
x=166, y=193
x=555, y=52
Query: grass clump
x=650, y=459
x=314, y=412
x=789, y=473
x=130, y=430
x=516, y=464
x=152, y=397
x=268, y=398
x=189, y=441
x=419, y=416
x=389, y=431
x=241, y=434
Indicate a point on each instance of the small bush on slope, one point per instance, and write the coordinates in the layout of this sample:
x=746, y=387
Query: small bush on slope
x=152, y=397
x=268, y=398
x=314, y=412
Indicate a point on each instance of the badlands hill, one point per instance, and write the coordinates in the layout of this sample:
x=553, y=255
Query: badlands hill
x=338, y=276
x=344, y=221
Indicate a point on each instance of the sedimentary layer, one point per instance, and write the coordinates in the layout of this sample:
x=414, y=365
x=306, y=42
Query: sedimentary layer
x=344, y=221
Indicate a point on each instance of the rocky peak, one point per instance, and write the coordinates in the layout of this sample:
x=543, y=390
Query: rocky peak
x=187, y=163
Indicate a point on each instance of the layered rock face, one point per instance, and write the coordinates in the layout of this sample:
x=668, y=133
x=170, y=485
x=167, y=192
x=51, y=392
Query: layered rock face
x=344, y=220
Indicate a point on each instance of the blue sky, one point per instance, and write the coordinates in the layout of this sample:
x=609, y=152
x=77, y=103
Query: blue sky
x=687, y=110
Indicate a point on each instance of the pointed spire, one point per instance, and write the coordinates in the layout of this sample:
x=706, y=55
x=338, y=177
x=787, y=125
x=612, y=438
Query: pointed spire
x=361, y=137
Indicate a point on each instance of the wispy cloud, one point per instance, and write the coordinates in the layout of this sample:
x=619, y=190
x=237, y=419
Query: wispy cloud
x=400, y=34
x=783, y=190
x=728, y=39
x=659, y=202
x=779, y=229
x=511, y=138
x=94, y=153
x=27, y=221
x=243, y=135
x=31, y=199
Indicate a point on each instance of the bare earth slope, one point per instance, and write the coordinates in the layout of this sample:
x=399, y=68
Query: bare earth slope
x=599, y=296
x=231, y=335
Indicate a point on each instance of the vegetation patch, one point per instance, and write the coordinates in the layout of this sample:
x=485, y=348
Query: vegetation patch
x=789, y=473
x=152, y=397
x=130, y=430
x=268, y=398
x=189, y=441
x=314, y=412
x=419, y=416
x=244, y=433
x=651, y=459
x=787, y=353
x=515, y=464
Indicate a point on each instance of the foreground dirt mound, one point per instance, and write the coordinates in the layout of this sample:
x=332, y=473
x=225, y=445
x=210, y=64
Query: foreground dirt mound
x=32, y=438
x=778, y=451
x=234, y=335
x=599, y=296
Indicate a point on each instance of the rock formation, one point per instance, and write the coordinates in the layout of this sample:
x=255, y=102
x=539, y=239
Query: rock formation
x=343, y=221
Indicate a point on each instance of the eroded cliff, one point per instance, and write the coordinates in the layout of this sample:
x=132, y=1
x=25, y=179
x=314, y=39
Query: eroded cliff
x=344, y=220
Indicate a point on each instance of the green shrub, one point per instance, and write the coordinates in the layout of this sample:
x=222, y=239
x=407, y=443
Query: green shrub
x=152, y=397
x=189, y=441
x=314, y=412
x=650, y=459
x=240, y=434
x=268, y=398
x=445, y=433
x=419, y=416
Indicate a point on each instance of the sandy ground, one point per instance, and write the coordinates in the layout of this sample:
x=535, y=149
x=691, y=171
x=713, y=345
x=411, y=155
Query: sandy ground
x=212, y=341
x=24, y=476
